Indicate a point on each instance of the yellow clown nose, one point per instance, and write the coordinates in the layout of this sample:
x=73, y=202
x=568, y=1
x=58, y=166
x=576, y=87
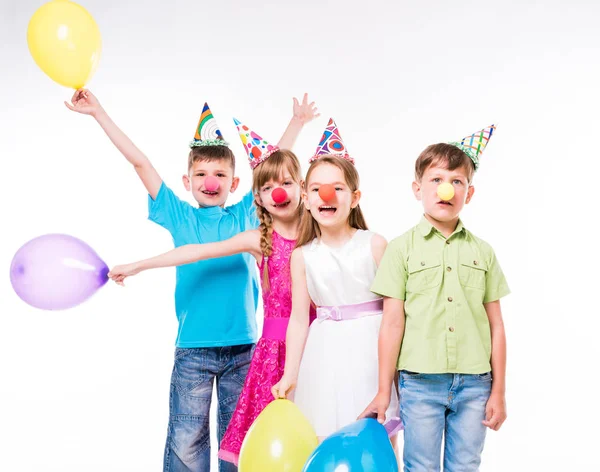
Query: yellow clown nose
x=445, y=191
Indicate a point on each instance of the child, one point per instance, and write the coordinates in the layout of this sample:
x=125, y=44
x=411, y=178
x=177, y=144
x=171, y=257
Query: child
x=442, y=287
x=276, y=186
x=215, y=299
x=333, y=266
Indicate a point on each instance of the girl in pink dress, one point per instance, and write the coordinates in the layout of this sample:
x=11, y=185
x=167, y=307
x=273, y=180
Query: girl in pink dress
x=277, y=186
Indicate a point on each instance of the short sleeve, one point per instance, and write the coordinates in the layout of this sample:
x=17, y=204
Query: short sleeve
x=246, y=211
x=495, y=282
x=390, y=280
x=167, y=209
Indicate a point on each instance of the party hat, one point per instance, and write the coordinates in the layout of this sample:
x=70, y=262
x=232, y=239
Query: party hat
x=331, y=143
x=474, y=145
x=257, y=148
x=207, y=131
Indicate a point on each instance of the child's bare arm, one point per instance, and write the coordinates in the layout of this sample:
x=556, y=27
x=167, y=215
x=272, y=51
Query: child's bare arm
x=303, y=113
x=248, y=241
x=297, y=329
x=495, y=411
x=84, y=102
x=390, y=340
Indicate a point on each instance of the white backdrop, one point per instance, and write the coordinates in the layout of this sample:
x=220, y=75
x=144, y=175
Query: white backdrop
x=87, y=389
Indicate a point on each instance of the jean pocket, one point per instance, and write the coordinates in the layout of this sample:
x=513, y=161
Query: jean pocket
x=407, y=374
x=487, y=377
x=191, y=374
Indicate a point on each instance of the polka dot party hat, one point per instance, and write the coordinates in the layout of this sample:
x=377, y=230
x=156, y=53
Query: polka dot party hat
x=256, y=147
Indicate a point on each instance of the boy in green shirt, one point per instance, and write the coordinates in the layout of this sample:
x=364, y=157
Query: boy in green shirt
x=442, y=323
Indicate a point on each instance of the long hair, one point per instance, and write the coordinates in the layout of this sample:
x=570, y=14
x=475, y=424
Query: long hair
x=273, y=169
x=309, y=228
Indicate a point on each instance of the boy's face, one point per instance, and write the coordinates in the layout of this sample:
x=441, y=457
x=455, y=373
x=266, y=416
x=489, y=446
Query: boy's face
x=221, y=171
x=434, y=206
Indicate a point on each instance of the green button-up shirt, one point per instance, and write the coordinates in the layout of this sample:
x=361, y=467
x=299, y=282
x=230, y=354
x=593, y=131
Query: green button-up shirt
x=444, y=283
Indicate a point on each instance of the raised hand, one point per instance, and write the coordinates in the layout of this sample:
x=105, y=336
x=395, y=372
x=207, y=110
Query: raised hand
x=305, y=112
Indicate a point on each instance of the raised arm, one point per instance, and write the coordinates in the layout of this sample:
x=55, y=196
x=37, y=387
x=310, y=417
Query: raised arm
x=84, y=102
x=302, y=113
x=248, y=241
x=297, y=329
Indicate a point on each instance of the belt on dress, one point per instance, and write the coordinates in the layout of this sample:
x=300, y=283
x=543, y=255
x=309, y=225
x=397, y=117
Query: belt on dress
x=350, y=312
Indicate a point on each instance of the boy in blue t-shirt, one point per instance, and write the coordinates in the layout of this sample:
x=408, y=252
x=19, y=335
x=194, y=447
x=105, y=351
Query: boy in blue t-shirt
x=216, y=299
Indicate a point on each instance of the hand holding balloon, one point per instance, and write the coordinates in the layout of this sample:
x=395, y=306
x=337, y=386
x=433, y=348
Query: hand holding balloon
x=84, y=102
x=119, y=273
x=283, y=388
x=377, y=408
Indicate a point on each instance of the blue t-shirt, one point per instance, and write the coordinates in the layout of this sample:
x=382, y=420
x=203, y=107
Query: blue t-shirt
x=215, y=299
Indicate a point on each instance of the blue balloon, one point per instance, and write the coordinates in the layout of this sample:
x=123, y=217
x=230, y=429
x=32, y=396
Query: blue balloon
x=362, y=446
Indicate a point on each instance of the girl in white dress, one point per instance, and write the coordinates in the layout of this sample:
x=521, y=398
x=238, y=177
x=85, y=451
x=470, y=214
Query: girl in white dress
x=333, y=366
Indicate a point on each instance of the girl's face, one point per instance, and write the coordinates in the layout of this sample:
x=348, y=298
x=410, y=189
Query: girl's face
x=333, y=213
x=286, y=210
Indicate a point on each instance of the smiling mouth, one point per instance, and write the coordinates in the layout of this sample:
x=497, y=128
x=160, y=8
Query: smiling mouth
x=326, y=209
x=209, y=193
x=442, y=202
x=281, y=205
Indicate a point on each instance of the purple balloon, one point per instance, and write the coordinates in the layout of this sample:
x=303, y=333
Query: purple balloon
x=56, y=272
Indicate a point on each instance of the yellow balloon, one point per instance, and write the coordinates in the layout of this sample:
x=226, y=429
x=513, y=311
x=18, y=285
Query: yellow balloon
x=280, y=440
x=64, y=41
x=445, y=191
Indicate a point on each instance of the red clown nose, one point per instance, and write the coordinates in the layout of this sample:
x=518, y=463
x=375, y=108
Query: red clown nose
x=279, y=195
x=327, y=192
x=211, y=183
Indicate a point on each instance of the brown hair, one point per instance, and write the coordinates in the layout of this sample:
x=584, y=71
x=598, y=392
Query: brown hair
x=309, y=228
x=273, y=169
x=210, y=154
x=444, y=155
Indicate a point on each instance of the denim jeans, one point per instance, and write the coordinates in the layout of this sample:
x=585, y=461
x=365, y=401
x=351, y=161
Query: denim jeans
x=448, y=405
x=194, y=372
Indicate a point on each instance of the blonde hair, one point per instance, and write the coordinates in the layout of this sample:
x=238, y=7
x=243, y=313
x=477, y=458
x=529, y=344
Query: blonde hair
x=309, y=228
x=272, y=169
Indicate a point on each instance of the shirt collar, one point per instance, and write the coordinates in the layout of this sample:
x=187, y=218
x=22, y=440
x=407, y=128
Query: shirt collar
x=425, y=227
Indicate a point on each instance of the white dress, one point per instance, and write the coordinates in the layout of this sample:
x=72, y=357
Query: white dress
x=338, y=375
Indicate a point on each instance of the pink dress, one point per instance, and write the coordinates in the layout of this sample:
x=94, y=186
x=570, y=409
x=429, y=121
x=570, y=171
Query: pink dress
x=268, y=361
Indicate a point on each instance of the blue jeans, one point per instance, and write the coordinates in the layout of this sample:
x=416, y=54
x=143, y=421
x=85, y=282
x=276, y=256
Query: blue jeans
x=449, y=405
x=188, y=438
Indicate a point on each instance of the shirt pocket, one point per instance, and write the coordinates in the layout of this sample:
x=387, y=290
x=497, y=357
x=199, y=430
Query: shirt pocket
x=423, y=274
x=472, y=273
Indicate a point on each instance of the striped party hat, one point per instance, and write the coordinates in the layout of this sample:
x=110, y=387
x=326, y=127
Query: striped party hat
x=331, y=143
x=257, y=148
x=474, y=145
x=207, y=131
